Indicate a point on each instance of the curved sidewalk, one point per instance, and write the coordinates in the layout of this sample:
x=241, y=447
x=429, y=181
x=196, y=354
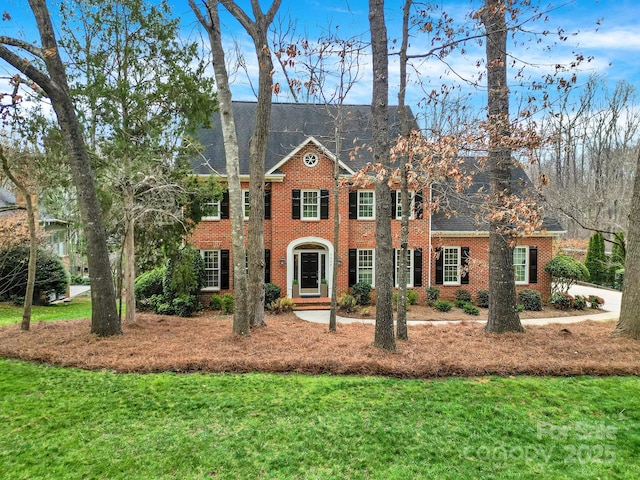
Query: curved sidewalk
x=612, y=300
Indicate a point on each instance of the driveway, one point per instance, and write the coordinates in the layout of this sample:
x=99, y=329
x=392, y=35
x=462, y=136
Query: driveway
x=612, y=300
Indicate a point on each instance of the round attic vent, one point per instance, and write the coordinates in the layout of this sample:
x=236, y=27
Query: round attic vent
x=310, y=159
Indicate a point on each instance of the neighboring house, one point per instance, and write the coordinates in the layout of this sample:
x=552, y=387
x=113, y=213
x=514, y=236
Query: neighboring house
x=450, y=253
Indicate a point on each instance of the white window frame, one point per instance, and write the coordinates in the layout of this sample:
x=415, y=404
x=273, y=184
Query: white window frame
x=409, y=267
x=373, y=205
x=445, y=264
x=372, y=267
x=246, y=203
x=303, y=203
x=213, y=217
x=398, y=205
x=525, y=264
x=217, y=272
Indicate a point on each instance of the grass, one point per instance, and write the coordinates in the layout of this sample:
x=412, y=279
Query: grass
x=80, y=307
x=66, y=424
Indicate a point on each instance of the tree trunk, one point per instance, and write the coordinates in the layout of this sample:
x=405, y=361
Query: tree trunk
x=129, y=259
x=241, y=319
x=629, y=322
x=104, y=317
x=503, y=313
x=401, y=321
x=384, y=334
x=338, y=121
x=258, y=30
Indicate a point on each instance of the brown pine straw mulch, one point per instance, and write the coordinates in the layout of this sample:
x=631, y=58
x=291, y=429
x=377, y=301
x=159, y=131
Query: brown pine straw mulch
x=205, y=344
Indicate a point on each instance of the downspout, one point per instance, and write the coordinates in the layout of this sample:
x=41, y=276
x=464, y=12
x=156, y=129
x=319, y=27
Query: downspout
x=429, y=230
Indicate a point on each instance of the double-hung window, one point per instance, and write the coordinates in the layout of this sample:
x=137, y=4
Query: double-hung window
x=398, y=253
x=212, y=269
x=246, y=204
x=213, y=211
x=520, y=265
x=398, y=205
x=311, y=204
x=366, y=266
x=451, y=265
x=366, y=204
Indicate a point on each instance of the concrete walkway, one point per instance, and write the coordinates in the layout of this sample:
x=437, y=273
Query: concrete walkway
x=75, y=290
x=612, y=300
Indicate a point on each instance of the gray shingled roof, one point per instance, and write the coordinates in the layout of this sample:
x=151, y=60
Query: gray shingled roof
x=462, y=214
x=291, y=125
x=7, y=199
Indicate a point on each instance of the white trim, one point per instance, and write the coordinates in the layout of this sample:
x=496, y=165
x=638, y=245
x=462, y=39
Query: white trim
x=323, y=149
x=246, y=203
x=213, y=217
x=397, y=269
x=373, y=215
x=329, y=250
x=274, y=177
x=412, y=205
x=485, y=233
x=219, y=274
x=302, y=204
x=459, y=265
x=526, y=265
x=373, y=265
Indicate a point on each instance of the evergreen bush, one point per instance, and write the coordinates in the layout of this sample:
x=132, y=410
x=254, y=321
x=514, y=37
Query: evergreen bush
x=272, y=293
x=596, y=260
x=579, y=302
x=565, y=272
x=463, y=295
x=216, y=302
x=530, y=299
x=362, y=293
x=347, y=303
x=443, y=306
x=482, y=298
x=562, y=300
x=433, y=293
x=227, y=304
x=149, y=284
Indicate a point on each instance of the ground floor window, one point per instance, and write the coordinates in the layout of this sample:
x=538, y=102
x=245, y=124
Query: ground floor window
x=212, y=268
x=451, y=265
x=398, y=253
x=365, y=266
x=520, y=264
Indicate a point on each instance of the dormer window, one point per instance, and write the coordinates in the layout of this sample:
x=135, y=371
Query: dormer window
x=310, y=159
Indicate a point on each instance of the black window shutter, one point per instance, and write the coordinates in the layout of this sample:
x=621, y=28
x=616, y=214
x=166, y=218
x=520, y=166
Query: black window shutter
x=353, y=205
x=224, y=269
x=295, y=204
x=439, y=266
x=393, y=204
x=394, y=269
x=353, y=266
x=533, y=264
x=224, y=205
x=417, y=267
x=324, y=204
x=418, y=205
x=464, y=262
x=267, y=265
x=267, y=204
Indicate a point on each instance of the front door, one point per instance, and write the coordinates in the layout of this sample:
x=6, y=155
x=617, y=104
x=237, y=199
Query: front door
x=309, y=272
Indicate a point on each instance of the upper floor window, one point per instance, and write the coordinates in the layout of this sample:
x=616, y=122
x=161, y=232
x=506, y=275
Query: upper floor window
x=366, y=204
x=310, y=159
x=213, y=211
x=246, y=204
x=398, y=204
x=310, y=204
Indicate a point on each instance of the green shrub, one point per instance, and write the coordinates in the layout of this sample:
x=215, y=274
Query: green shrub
x=470, y=309
x=412, y=297
x=154, y=302
x=185, y=274
x=579, y=302
x=51, y=276
x=347, y=303
x=165, y=309
x=149, y=284
x=562, y=301
x=460, y=303
x=530, y=299
x=216, y=302
x=616, y=260
x=362, y=293
x=565, y=271
x=618, y=279
x=272, y=293
x=482, y=298
x=76, y=279
x=185, y=305
x=281, y=305
x=433, y=293
x=464, y=295
x=520, y=307
x=227, y=304
x=443, y=306
x=595, y=301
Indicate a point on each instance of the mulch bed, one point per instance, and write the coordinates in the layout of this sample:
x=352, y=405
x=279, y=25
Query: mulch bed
x=205, y=344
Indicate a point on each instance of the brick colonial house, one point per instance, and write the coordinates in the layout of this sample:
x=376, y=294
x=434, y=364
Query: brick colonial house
x=450, y=253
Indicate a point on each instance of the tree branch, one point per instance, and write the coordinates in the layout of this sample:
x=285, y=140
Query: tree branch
x=36, y=75
x=32, y=49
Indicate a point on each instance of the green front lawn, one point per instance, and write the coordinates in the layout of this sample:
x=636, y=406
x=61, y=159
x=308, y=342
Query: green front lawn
x=65, y=423
x=80, y=307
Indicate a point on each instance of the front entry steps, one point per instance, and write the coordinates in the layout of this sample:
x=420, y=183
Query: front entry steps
x=312, y=303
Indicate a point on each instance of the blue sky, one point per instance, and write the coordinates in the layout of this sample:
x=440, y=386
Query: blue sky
x=608, y=30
